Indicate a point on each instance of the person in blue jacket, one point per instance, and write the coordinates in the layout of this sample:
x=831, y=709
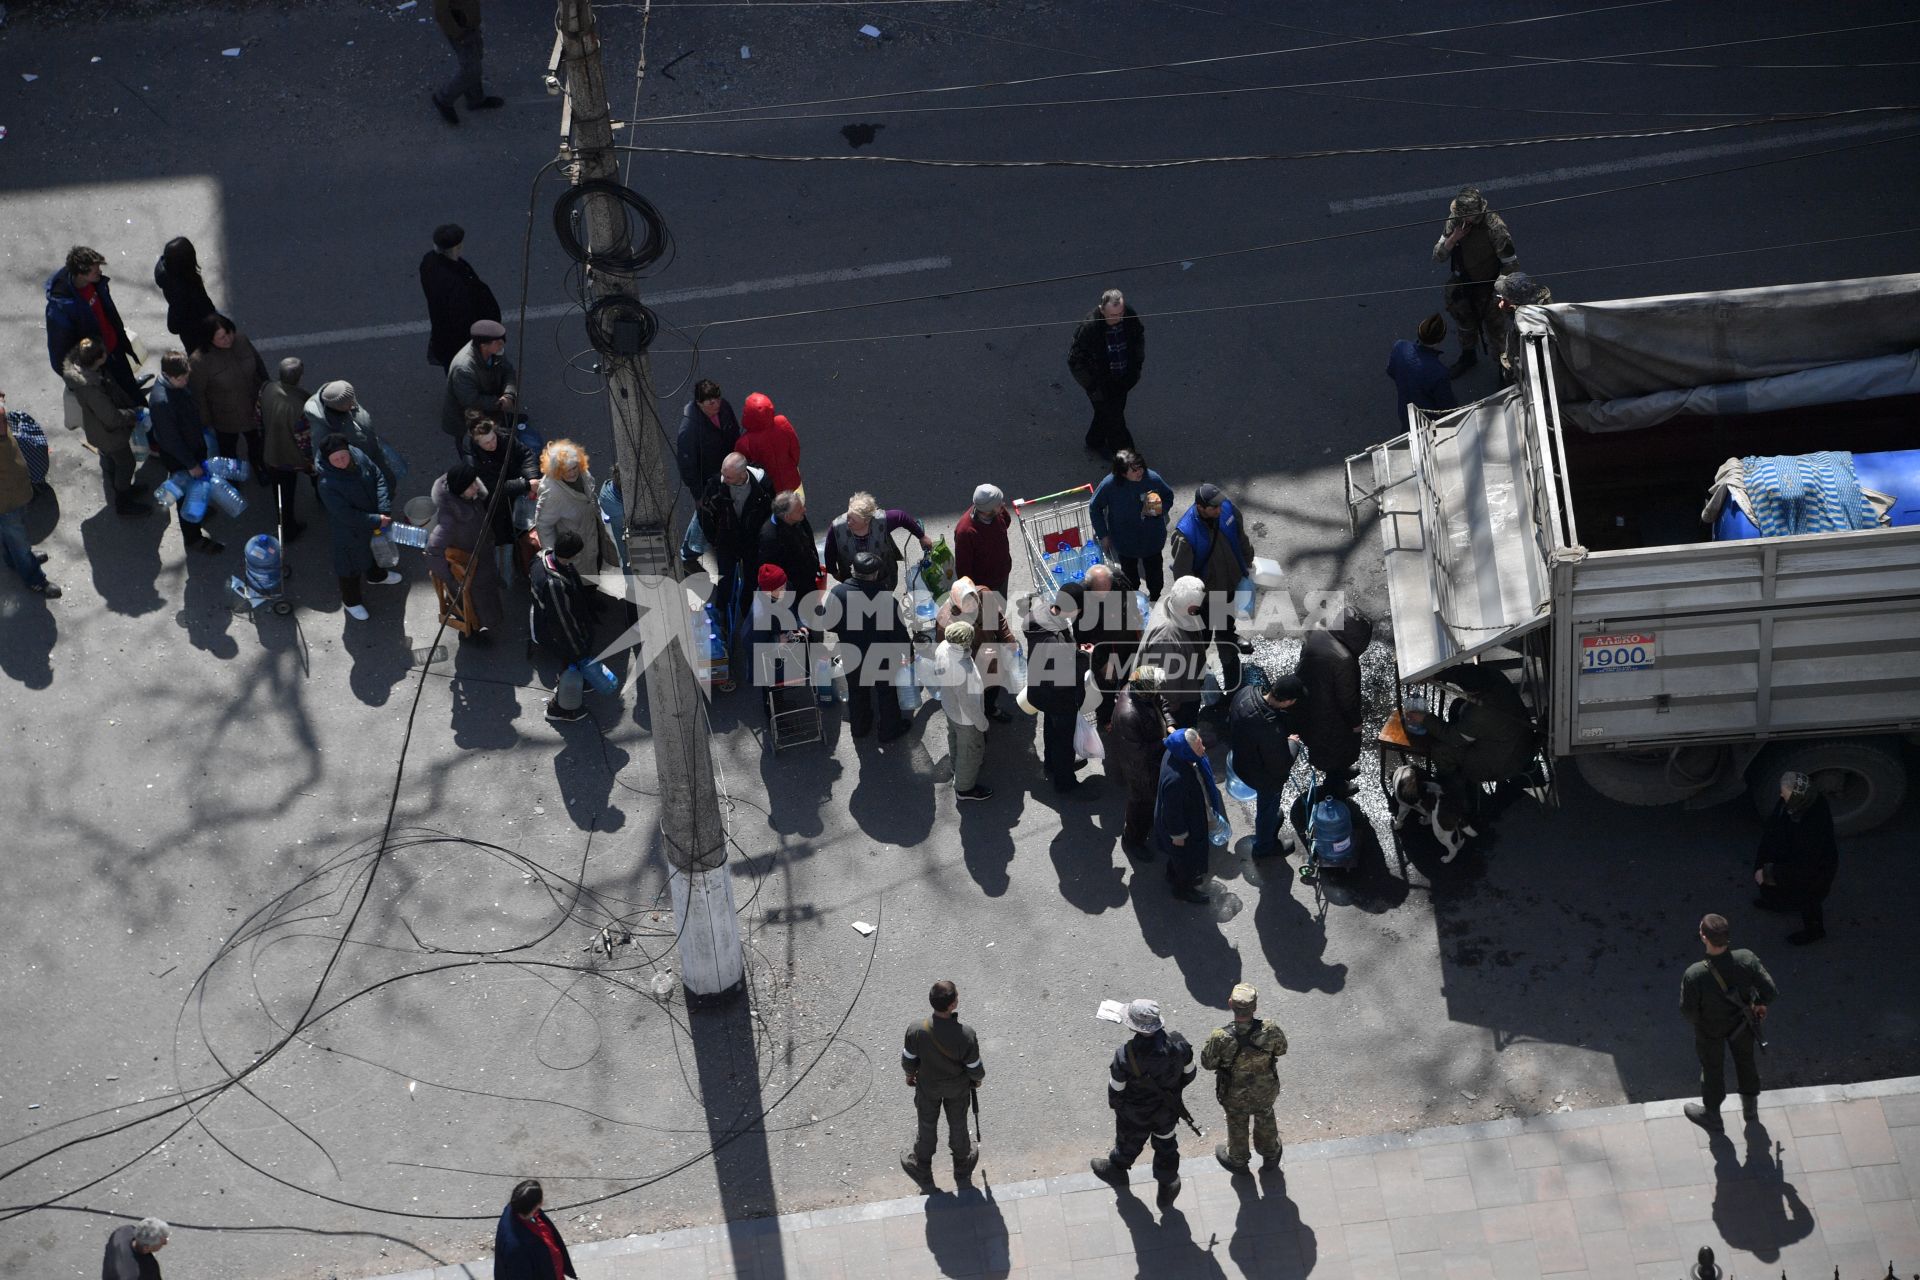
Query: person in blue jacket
x=1183, y=811
x=1129, y=512
x=80, y=305
x=1418, y=372
x=180, y=438
x=357, y=502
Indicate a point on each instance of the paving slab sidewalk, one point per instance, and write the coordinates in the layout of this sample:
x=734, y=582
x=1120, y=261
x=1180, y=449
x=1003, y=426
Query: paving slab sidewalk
x=1825, y=1179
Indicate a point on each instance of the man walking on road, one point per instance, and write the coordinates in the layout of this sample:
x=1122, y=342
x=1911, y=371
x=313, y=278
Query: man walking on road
x=456, y=295
x=460, y=22
x=941, y=1059
x=1725, y=997
x=1478, y=249
x=1144, y=1083
x=1109, y=350
x=526, y=1244
x=1244, y=1056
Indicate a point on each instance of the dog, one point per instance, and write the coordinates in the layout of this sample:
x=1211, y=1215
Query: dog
x=1413, y=793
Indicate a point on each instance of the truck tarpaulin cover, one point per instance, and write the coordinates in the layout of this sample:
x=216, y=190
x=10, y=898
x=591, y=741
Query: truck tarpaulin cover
x=1635, y=363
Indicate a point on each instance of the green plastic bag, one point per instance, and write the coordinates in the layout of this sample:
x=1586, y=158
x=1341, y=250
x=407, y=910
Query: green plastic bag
x=937, y=569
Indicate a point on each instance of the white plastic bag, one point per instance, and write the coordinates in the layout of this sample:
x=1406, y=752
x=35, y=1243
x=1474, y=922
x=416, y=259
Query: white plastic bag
x=1086, y=740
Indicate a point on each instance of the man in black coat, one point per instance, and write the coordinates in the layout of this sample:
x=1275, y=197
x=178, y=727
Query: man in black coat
x=1333, y=716
x=1105, y=616
x=1798, y=857
x=526, y=1244
x=1109, y=350
x=510, y=471
x=1136, y=741
x=787, y=540
x=1144, y=1083
x=873, y=642
x=1057, y=667
x=180, y=438
x=1265, y=745
x=735, y=506
x=456, y=295
x=562, y=620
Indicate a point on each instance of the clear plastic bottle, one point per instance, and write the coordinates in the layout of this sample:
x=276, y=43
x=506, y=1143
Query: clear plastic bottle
x=408, y=535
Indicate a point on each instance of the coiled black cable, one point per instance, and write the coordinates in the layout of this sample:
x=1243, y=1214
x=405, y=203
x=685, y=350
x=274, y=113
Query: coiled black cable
x=624, y=255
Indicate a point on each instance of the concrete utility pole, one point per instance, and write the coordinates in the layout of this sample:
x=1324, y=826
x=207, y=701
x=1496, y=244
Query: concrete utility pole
x=712, y=964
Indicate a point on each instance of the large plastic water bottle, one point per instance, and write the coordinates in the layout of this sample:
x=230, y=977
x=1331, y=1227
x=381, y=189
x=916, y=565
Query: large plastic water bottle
x=905, y=690
x=263, y=564
x=598, y=676
x=1330, y=827
x=1236, y=787
x=407, y=535
x=229, y=499
x=193, y=504
x=1416, y=705
x=823, y=680
x=234, y=469
x=142, y=442
x=1144, y=605
x=924, y=609
x=169, y=492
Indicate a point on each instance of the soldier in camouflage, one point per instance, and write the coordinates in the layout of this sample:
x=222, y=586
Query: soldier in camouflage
x=1477, y=248
x=1725, y=997
x=1512, y=291
x=1244, y=1057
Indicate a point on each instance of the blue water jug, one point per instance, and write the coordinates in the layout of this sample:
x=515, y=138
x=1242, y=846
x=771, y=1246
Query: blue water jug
x=263, y=564
x=598, y=676
x=1330, y=830
x=193, y=504
x=169, y=492
x=1236, y=788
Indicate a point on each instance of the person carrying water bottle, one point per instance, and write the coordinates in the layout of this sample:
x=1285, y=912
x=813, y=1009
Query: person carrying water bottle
x=180, y=438
x=1265, y=745
x=1183, y=813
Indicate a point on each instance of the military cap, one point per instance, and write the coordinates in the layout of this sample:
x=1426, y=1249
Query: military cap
x=1143, y=1017
x=1468, y=203
x=1522, y=290
x=1243, y=997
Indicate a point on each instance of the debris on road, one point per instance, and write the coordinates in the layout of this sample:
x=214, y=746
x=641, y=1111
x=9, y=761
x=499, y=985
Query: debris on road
x=870, y=31
x=1111, y=1010
x=863, y=928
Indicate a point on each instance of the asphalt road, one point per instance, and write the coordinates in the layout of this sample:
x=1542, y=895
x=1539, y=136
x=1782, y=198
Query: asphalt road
x=193, y=798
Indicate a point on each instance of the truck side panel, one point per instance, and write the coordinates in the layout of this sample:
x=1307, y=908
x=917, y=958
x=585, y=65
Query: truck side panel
x=1737, y=641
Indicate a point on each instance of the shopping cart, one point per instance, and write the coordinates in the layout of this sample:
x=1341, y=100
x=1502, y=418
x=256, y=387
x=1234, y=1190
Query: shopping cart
x=1058, y=533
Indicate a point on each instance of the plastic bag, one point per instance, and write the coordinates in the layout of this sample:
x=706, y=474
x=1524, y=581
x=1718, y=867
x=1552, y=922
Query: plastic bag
x=1086, y=740
x=385, y=554
x=936, y=570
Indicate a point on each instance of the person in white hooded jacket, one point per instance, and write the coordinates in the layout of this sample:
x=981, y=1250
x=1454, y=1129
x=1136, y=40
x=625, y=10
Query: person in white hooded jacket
x=1176, y=642
x=955, y=674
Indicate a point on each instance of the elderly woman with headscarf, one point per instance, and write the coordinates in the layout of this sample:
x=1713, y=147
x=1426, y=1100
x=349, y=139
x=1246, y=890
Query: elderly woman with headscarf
x=569, y=499
x=993, y=640
x=1136, y=744
x=1183, y=812
x=461, y=533
x=963, y=701
x=1797, y=858
x=1176, y=642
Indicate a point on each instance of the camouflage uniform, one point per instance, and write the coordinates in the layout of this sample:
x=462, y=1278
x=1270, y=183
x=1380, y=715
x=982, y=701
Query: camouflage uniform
x=1244, y=1057
x=1481, y=256
x=1517, y=289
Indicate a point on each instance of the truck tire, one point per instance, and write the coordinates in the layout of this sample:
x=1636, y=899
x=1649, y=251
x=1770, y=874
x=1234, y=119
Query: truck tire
x=1649, y=778
x=1864, y=779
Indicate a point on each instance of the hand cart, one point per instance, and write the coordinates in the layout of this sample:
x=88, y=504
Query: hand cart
x=793, y=713
x=1058, y=533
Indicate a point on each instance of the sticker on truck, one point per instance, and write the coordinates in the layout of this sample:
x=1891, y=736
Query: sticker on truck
x=1633, y=651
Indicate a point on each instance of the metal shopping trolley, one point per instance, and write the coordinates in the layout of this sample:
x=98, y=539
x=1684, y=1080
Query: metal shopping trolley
x=1058, y=533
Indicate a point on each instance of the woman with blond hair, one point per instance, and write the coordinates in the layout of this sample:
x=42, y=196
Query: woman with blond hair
x=569, y=499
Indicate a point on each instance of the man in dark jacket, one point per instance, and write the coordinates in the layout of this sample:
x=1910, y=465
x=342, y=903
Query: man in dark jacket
x=1057, y=668
x=180, y=438
x=1183, y=808
x=526, y=1244
x=80, y=305
x=1144, y=1083
x=1109, y=350
x=456, y=295
x=510, y=470
x=1486, y=736
x=787, y=540
x=460, y=23
x=941, y=1060
x=1136, y=744
x=1210, y=543
x=1265, y=745
x=562, y=618
x=1419, y=374
x=734, y=507
x=873, y=643
x=1798, y=857
x=1725, y=998
x=1332, y=718
x=1106, y=616
x=131, y=1249
x=708, y=428
x=480, y=377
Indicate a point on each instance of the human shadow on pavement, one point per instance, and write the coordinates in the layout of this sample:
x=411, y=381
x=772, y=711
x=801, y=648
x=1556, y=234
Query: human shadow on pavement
x=1083, y=854
x=796, y=783
x=1291, y=937
x=1186, y=931
x=892, y=802
x=28, y=623
x=485, y=685
x=123, y=554
x=967, y=1233
x=1165, y=1250
x=727, y=1070
x=587, y=785
x=1755, y=1208
x=204, y=613
x=986, y=836
x=379, y=649
x=1269, y=1239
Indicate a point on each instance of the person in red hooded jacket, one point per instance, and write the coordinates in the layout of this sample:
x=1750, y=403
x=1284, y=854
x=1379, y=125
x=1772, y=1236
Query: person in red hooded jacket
x=769, y=442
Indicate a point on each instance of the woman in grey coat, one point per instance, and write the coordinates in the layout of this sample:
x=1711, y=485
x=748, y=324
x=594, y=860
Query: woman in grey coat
x=569, y=499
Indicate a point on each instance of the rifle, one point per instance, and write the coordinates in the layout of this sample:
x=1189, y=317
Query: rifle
x=1174, y=1100
x=1743, y=1004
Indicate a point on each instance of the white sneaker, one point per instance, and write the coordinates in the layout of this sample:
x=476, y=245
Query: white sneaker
x=388, y=579
x=358, y=612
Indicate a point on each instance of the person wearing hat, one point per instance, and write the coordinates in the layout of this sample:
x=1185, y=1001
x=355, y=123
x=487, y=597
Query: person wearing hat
x=462, y=534
x=1725, y=997
x=479, y=377
x=1210, y=543
x=770, y=442
x=456, y=295
x=1184, y=806
x=1244, y=1057
x=776, y=642
x=963, y=701
x=993, y=640
x=335, y=409
x=1175, y=642
x=1109, y=351
x=1512, y=291
x=1419, y=374
x=735, y=505
x=873, y=644
x=941, y=1060
x=1144, y=1083
x=1477, y=247
x=1059, y=687
x=1798, y=857
x=1136, y=744
x=562, y=619
x=1266, y=743
x=286, y=439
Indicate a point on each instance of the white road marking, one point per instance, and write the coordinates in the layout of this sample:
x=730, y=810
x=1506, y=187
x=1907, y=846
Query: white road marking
x=842, y=275
x=1685, y=156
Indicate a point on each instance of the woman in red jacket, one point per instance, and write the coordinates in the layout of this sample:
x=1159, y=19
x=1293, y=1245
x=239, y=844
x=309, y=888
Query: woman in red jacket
x=769, y=442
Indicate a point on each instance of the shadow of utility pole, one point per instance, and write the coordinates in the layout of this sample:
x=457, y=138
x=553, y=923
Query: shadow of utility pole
x=729, y=1076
